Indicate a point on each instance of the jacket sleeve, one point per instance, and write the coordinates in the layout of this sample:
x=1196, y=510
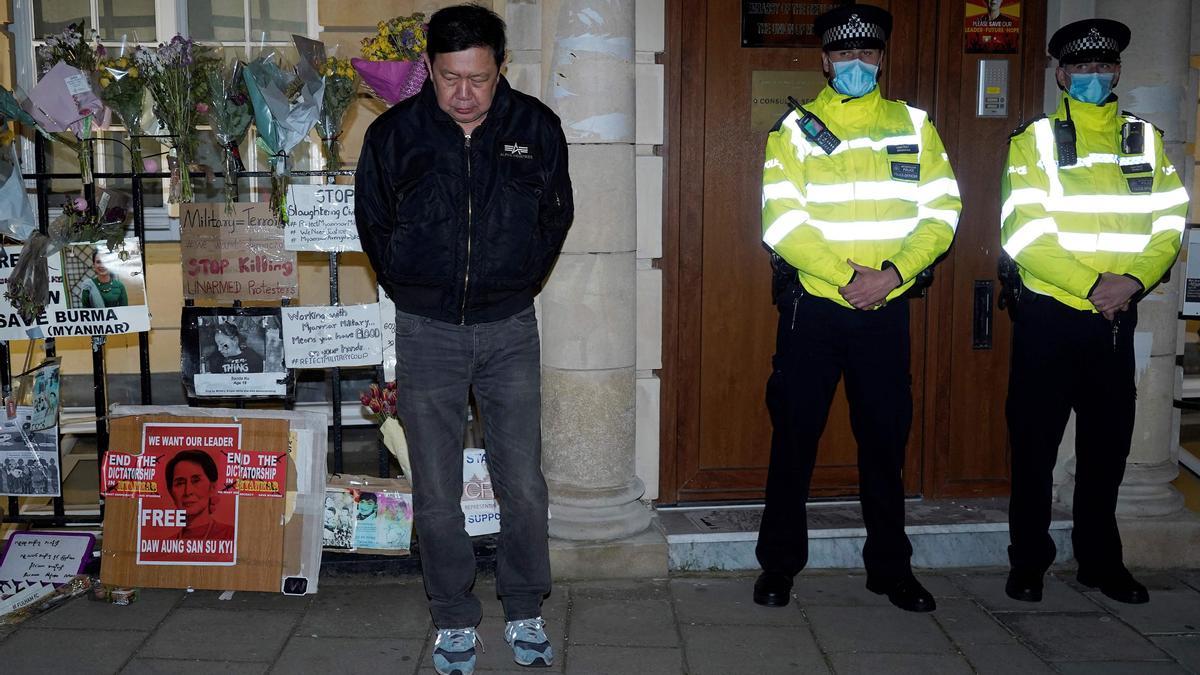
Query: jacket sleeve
x=1166, y=222
x=556, y=208
x=373, y=202
x=938, y=208
x=785, y=225
x=1028, y=232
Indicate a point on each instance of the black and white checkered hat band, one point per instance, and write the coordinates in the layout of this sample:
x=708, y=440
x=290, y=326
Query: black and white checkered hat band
x=856, y=29
x=1089, y=43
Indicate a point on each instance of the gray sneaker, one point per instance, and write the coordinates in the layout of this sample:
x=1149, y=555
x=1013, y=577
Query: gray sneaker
x=529, y=643
x=454, y=651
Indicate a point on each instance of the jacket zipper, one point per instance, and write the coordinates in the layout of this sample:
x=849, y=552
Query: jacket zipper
x=467, y=273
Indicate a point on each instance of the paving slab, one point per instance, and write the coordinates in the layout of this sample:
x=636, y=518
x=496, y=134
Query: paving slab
x=554, y=608
x=150, y=608
x=1067, y=637
x=348, y=655
x=622, y=622
x=140, y=666
x=243, y=600
x=624, y=661
x=1056, y=596
x=55, y=650
x=835, y=590
x=1184, y=648
x=1121, y=668
x=250, y=635
x=727, y=601
x=899, y=664
x=653, y=589
x=876, y=629
x=495, y=654
x=969, y=624
x=1169, y=612
x=720, y=650
x=375, y=610
x=1004, y=659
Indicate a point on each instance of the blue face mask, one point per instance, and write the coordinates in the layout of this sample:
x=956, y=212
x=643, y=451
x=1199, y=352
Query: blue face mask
x=1091, y=88
x=854, y=78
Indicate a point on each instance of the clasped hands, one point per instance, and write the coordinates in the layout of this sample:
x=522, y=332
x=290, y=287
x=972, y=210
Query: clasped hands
x=1113, y=293
x=870, y=287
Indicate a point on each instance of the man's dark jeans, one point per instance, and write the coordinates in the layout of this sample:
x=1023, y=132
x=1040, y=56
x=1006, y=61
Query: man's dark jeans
x=437, y=364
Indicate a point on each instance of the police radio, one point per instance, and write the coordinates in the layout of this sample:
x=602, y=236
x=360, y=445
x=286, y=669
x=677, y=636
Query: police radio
x=814, y=129
x=1064, y=138
x=1133, y=142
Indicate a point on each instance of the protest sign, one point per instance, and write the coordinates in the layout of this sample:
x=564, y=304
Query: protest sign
x=339, y=520
x=93, y=291
x=384, y=521
x=29, y=462
x=387, y=324
x=326, y=337
x=233, y=352
x=235, y=256
x=38, y=389
x=45, y=557
x=321, y=218
x=480, y=510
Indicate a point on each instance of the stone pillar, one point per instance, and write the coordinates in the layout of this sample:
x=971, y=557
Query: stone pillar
x=588, y=305
x=1154, y=84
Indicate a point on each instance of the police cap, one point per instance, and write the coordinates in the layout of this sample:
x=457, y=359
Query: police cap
x=854, y=26
x=1100, y=40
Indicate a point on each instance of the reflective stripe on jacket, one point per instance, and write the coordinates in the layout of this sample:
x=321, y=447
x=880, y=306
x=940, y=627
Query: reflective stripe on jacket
x=886, y=193
x=1108, y=212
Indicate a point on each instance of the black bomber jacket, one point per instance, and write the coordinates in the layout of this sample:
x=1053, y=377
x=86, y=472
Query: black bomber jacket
x=458, y=229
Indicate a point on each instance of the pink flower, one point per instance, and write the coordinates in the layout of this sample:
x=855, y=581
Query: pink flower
x=80, y=204
x=202, y=108
x=150, y=165
x=376, y=407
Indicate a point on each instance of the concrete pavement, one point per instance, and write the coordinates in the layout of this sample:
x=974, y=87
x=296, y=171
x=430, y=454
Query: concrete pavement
x=696, y=624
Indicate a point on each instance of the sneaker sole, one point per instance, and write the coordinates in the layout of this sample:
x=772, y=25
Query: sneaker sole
x=535, y=663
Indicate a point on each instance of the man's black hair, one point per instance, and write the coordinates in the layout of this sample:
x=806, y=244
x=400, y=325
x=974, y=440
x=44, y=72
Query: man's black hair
x=461, y=27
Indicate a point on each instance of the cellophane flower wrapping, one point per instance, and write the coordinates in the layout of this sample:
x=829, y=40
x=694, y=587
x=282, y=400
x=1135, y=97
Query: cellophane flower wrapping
x=123, y=89
x=286, y=108
x=73, y=48
x=392, y=66
x=230, y=114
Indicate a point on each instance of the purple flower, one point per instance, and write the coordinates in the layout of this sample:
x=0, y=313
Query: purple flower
x=80, y=204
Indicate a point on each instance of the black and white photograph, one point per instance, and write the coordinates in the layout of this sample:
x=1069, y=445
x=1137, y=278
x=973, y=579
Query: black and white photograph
x=29, y=462
x=233, y=352
x=339, y=521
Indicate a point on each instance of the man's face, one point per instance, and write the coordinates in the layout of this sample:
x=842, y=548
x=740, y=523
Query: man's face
x=871, y=56
x=465, y=83
x=191, y=489
x=227, y=345
x=1064, y=71
x=993, y=7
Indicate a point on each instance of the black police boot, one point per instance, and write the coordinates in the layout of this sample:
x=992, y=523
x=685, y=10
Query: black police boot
x=773, y=589
x=908, y=594
x=1118, y=584
x=1024, y=585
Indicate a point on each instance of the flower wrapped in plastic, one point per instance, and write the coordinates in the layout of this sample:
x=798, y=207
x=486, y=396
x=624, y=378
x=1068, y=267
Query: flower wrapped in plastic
x=173, y=73
x=341, y=85
x=230, y=115
x=17, y=219
x=286, y=108
x=381, y=402
x=71, y=48
x=391, y=66
x=123, y=89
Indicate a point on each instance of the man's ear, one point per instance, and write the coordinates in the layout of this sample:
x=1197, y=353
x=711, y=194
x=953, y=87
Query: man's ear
x=1064, y=80
x=826, y=65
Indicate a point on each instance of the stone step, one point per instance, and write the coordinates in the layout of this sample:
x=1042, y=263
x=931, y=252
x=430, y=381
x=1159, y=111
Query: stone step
x=944, y=534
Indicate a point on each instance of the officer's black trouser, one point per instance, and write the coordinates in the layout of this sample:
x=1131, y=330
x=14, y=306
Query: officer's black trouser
x=1066, y=359
x=871, y=348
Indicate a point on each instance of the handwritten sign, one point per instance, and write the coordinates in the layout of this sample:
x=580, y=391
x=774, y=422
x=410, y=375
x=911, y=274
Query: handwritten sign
x=324, y=337
x=321, y=218
x=45, y=557
x=235, y=256
x=387, y=321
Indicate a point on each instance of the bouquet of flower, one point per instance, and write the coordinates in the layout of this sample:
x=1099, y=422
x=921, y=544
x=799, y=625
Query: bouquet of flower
x=286, y=108
x=382, y=404
x=173, y=73
x=80, y=223
x=391, y=66
x=229, y=113
x=341, y=83
x=65, y=93
x=123, y=89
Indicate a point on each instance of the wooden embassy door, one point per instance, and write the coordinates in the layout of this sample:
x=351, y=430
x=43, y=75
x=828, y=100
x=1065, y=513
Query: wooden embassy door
x=719, y=323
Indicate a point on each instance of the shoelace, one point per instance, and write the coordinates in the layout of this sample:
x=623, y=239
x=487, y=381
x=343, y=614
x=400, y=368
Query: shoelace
x=456, y=639
x=526, y=630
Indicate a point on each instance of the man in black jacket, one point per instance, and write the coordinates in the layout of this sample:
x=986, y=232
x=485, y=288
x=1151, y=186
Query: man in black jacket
x=462, y=203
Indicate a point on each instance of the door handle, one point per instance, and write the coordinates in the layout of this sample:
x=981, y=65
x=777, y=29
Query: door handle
x=981, y=321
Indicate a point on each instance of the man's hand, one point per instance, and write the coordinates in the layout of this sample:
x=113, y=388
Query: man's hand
x=1113, y=293
x=870, y=286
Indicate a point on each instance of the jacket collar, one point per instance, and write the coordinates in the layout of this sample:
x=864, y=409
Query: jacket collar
x=501, y=102
x=846, y=109
x=1089, y=115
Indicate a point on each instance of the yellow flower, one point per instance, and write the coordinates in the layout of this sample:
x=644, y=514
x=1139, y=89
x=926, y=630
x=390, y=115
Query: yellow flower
x=104, y=81
x=133, y=72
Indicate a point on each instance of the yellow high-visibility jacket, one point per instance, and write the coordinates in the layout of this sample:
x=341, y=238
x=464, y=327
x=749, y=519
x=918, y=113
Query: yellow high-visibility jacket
x=1108, y=212
x=886, y=193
